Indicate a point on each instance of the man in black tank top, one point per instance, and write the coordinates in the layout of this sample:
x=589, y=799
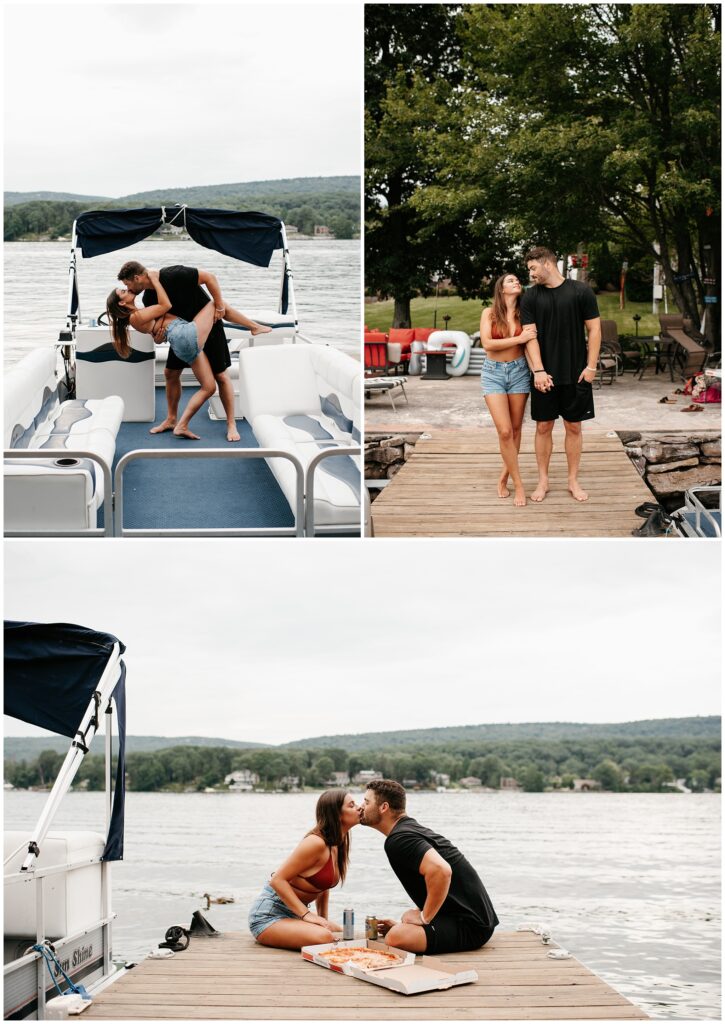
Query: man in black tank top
x=561, y=310
x=454, y=912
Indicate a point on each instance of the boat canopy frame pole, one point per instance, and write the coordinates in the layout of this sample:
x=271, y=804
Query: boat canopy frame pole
x=73, y=317
x=87, y=729
x=288, y=277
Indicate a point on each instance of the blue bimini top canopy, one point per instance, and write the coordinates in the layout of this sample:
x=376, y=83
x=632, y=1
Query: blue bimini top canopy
x=249, y=237
x=52, y=671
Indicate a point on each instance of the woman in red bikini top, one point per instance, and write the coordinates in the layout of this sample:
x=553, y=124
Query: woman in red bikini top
x=317, y=864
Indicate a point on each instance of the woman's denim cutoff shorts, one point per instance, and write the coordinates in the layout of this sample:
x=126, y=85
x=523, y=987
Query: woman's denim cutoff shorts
x=511, y=378
x=182, y=336
x=266, y=909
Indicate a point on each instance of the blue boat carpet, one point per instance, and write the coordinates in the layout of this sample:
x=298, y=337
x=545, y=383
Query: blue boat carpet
x=196, y=493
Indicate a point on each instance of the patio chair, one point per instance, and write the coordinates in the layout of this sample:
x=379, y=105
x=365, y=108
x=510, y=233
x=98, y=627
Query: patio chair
x=612, y=347
x=386, y=385
x=687, y=354
x=381, y=355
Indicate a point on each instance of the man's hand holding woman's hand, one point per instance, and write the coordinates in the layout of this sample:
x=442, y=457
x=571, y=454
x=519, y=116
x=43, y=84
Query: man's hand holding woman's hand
x=543, y=381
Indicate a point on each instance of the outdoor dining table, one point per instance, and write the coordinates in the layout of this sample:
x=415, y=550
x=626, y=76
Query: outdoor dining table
x=435, y=364
x=660, y=348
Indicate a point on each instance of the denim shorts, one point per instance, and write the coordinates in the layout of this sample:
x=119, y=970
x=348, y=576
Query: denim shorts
x=511, y=378
x=182, y=336
x=266, y=909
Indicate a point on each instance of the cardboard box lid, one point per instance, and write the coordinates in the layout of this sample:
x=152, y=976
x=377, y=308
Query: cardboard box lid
x=427, y=975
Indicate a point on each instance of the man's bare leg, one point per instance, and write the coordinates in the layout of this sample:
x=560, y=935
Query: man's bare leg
x=544, y=445
x=573, y=448
x=407, y=936
x=173, y=397
x=226, y=393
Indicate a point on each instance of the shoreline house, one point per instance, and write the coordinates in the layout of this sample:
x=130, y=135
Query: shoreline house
x=242, y=781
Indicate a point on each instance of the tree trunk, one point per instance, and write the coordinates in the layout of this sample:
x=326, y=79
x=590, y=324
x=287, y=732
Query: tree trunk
x=401, y=314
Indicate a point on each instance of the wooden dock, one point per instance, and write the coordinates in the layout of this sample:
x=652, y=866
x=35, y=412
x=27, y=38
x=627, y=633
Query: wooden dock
x=232, y=978
x=447, y=488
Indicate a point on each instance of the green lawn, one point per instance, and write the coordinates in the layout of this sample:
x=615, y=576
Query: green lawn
x=466, y=315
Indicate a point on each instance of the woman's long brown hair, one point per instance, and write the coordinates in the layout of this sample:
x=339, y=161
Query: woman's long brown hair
x=499, y=310
x=327, y=812
x=119, y=316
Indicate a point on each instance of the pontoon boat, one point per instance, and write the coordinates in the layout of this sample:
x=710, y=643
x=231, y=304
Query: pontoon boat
x=79, y=459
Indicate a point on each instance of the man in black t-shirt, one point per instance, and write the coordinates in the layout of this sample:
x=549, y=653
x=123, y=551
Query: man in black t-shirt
x=184, y=288
x=454, y=912
x=561, y=310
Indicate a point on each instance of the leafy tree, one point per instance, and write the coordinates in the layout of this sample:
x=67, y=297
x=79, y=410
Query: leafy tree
x=608, y=775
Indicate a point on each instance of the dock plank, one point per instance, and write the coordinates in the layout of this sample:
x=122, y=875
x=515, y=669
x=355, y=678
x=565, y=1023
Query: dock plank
x=233, y=978
x=447, y=488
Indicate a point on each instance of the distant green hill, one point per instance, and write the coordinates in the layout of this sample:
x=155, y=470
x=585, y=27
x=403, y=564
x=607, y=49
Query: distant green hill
x=701, y=728
x=678, y=728
x=15, y=198
x=26, y=748
x=299, y=202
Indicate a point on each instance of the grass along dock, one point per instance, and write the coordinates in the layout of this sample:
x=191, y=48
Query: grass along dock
x=233, y=978
x=447, y=488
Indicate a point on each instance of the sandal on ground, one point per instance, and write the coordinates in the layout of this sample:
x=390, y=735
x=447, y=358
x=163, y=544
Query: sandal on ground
x=668, y=401
x=692, y=408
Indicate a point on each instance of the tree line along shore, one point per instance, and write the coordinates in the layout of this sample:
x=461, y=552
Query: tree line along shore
x=301, y=203
x=635, y=766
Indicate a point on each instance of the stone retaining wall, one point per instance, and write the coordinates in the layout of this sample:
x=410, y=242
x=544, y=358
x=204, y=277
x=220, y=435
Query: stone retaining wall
x=385, y=455
x=671, y=463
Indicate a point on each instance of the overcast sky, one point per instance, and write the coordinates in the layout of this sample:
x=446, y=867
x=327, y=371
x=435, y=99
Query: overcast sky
x=275, y=641
x=111, y=99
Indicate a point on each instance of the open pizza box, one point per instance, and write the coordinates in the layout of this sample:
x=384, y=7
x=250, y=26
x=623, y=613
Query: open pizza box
x=403, y=975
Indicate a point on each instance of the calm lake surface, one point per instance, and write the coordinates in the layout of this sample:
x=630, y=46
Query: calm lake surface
x=630, y=884
x=326, y=281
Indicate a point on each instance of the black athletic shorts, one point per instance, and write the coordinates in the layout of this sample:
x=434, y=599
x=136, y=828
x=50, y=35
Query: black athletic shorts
x=573, y=402
x=216, y=350
x=449, y=934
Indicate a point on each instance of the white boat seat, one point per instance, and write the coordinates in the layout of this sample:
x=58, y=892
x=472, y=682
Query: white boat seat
x=59, y=493
x=101, y=372
x=304, y=399
x=73, y=901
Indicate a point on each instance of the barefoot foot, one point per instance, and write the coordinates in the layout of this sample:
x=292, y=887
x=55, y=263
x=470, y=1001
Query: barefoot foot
x=232, y=433
x=541, y=491
x=185, y=432
x=501, y=489
x=520, y=497
x=577, y=492
x=260, y=329
x=168, y=424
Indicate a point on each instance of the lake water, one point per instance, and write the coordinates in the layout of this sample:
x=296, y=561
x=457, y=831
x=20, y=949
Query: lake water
x=326, y=281
x=630, y=884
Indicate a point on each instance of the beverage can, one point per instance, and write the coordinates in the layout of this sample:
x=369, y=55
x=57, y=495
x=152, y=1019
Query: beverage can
x=371, y=927
x=348, y=923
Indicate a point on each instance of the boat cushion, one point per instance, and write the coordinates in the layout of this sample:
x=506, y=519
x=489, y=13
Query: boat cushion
x=304, y=399
x=58, y=493
x=101, y=372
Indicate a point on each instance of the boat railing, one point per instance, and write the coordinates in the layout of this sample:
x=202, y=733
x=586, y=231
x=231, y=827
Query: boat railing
x=211, y=453
x=38, y=876
x=310, y=528
x=68, y=457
